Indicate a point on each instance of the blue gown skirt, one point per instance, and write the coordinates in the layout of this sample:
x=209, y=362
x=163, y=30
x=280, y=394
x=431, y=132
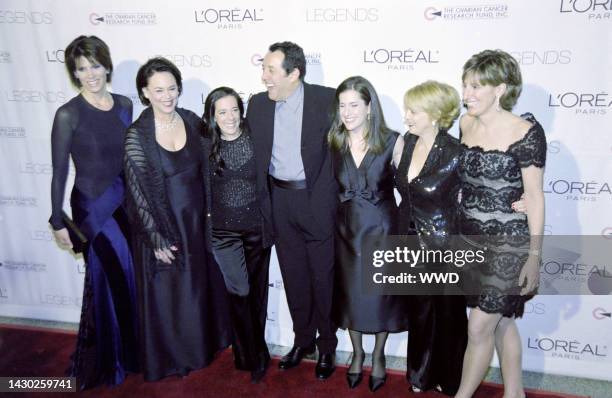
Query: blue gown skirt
x=107, y=346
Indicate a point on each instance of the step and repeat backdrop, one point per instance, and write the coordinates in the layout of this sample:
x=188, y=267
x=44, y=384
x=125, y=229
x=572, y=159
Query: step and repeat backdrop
x=564, y=48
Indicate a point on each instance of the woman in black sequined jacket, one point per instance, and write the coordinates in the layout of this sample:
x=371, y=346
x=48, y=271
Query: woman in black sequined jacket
x=428, y=182
x=237, y=237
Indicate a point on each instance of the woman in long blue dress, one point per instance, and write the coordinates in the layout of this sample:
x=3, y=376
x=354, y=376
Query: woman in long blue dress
x=90, y=128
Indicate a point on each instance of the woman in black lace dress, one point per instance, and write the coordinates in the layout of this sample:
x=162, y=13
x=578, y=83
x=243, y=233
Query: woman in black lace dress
x=237, y=228
x=183, y=303
x=365, y=154
x=90, y=128
x=503, y=157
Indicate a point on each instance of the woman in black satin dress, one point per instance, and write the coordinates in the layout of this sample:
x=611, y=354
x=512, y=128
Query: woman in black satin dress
x=183, y=303
x=364, y=149
x=428, y=182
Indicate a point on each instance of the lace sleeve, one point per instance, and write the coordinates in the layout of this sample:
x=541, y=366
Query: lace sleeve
x=138, y=204
x=64, y=125
x=531, y=150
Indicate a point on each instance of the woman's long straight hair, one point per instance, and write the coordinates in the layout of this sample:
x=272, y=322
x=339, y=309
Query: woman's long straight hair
x=376, y=128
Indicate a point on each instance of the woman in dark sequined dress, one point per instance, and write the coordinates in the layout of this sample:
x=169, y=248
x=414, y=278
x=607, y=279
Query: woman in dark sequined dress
x=428, y=182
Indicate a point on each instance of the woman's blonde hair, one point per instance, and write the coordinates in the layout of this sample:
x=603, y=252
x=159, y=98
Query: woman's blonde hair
x=439, y=100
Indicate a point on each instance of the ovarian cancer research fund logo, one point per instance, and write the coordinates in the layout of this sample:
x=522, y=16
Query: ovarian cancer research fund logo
x=467, y=12
x=12, y=132
x=601, y=314
x=123, y=18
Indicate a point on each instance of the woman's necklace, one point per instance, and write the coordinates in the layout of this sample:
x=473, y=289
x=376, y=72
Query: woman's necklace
x=169, y=125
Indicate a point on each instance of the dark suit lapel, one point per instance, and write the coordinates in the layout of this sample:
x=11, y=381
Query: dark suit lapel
x=308, y=116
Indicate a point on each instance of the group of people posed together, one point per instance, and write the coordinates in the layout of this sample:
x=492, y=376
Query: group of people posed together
x=180, y=213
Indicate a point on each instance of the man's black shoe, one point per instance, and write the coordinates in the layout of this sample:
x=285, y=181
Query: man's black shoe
x=325, y=366
x=294, y=357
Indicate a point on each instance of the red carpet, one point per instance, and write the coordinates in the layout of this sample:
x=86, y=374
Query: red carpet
x=41, y=352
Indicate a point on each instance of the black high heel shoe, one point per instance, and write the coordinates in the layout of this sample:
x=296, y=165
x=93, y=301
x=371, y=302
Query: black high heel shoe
x=376, y=382
x=353, y=379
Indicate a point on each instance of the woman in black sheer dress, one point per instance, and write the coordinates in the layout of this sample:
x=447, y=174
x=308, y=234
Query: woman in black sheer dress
x=237, y=228
x=503, y=158
x=365, y=153
x=90, y=128
x=183, y=303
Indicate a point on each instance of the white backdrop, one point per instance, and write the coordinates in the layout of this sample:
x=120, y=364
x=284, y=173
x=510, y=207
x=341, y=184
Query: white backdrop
x=564, y=48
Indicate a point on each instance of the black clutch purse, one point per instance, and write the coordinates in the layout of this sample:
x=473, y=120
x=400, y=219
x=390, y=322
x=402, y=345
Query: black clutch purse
x=78, y=238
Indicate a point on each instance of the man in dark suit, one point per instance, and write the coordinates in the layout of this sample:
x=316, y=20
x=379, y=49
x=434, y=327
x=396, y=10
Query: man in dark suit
x=298, y=194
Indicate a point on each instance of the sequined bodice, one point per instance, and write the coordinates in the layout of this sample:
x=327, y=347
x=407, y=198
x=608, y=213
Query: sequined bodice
x=234, y=193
